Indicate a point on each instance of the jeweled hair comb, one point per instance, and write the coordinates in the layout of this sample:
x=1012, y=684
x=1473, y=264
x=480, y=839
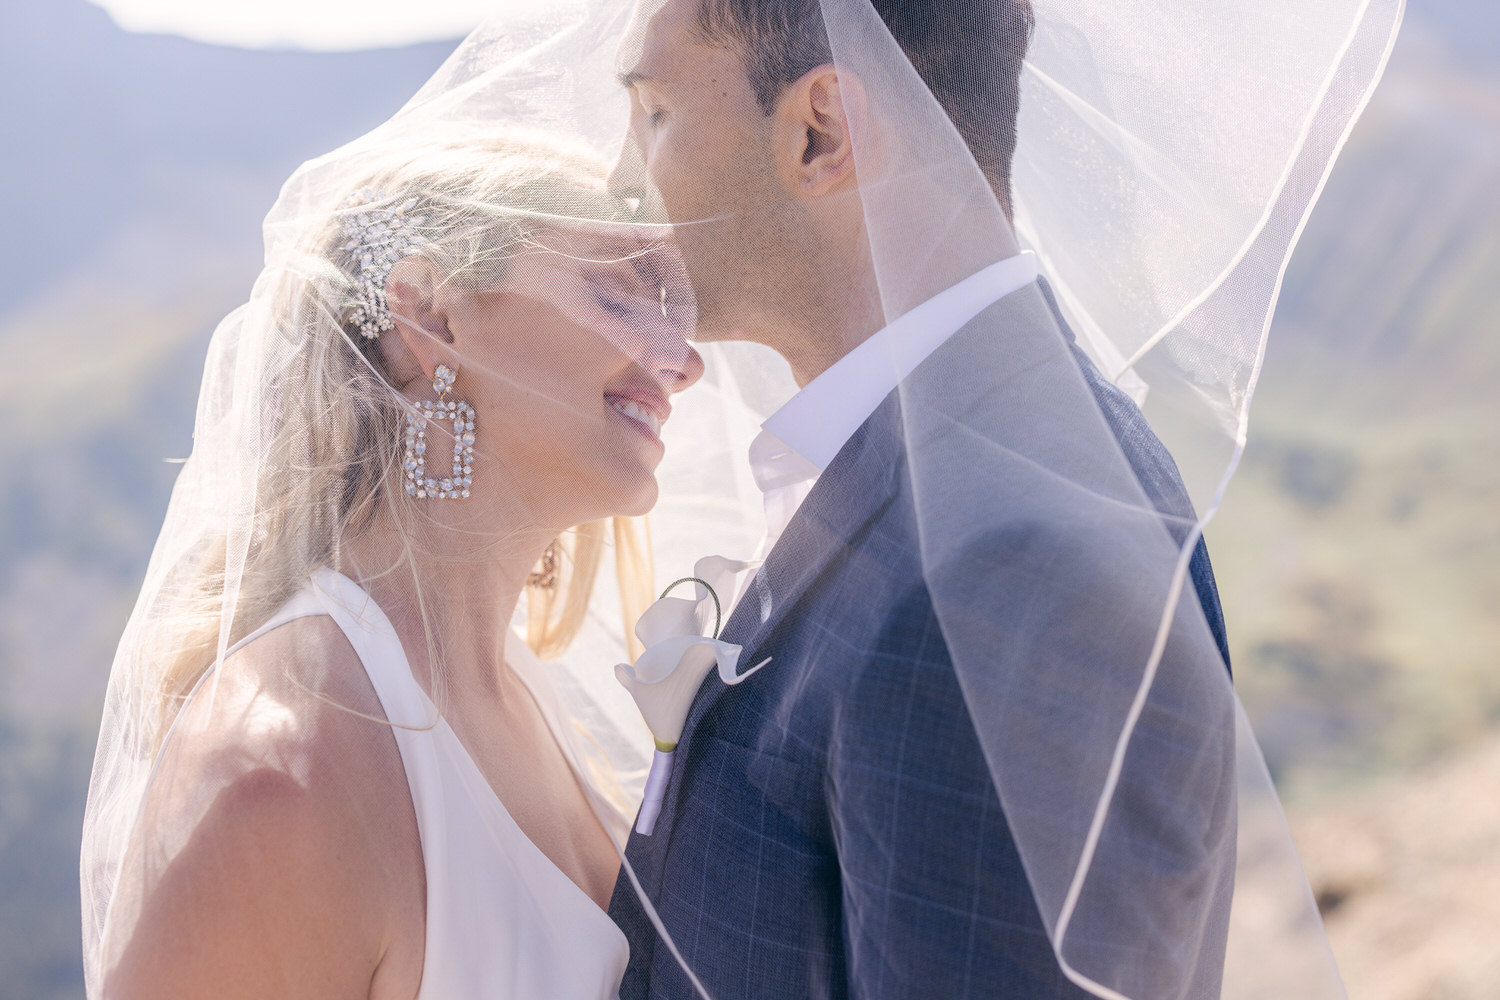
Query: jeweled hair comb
x=377, y=238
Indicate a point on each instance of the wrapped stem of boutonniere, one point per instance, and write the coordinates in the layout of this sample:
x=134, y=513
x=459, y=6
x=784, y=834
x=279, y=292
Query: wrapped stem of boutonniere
x=677, y=657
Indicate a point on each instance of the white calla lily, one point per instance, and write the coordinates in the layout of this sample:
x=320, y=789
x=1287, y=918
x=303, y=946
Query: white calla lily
x=670, y=618
x=666, y=677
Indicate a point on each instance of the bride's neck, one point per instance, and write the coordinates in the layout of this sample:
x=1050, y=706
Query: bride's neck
x=458, y=580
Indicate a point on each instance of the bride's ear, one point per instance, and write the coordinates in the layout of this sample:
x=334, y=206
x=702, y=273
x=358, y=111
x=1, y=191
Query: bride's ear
x=422, y=338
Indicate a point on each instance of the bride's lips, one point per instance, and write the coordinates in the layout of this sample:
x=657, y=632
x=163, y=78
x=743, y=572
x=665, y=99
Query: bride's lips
x=643, y=409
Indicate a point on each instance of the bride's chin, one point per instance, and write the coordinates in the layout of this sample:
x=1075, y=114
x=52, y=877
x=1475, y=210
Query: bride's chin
x=634, y=495
x=642, y=500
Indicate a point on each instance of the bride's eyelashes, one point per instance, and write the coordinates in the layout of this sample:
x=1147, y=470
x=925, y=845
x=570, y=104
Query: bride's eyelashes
x=612, y=305
x=614, y=294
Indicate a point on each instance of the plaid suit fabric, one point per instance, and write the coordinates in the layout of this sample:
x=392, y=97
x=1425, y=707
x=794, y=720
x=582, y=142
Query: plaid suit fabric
x=831, y=828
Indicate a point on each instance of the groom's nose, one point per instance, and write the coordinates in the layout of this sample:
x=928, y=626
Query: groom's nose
x=627, y=178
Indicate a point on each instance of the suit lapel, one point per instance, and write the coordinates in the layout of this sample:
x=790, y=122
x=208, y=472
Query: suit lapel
x=857, y=485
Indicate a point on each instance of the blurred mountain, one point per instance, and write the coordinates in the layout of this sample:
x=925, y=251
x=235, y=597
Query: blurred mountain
x=1357, y=545
x=1398, y=264
x=136, y=172
x=1355, y=549
x=105, y=129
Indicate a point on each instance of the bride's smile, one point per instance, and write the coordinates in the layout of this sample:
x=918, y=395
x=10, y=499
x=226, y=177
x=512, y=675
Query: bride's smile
x=643, y=413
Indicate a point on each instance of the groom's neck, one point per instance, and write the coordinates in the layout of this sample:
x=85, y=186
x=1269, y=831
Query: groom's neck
x=847, y=305
x=822, y=348
x=839, y=312
x=849, y=294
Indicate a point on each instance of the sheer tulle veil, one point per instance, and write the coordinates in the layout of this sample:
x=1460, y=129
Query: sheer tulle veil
x=1167, y=154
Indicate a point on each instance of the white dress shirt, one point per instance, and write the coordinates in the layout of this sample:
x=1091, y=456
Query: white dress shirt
x=798, y=441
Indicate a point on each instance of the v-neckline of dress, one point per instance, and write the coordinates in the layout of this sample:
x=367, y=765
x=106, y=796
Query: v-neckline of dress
x=373, y=615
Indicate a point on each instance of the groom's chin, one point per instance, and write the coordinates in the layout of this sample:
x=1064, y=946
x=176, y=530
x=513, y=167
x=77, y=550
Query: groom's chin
x=720, y=327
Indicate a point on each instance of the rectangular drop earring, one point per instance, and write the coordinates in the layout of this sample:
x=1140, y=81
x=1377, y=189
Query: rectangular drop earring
x=418, y=483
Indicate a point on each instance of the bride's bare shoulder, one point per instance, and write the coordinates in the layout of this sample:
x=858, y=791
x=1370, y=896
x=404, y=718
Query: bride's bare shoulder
x=290, y=731
x=297, y=694
x=278, y=834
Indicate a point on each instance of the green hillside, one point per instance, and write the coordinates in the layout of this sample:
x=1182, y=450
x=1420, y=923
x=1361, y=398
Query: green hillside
x=1357, y=547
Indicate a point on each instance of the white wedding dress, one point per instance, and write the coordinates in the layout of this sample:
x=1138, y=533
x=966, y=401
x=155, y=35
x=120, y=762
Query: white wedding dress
x=503, y=922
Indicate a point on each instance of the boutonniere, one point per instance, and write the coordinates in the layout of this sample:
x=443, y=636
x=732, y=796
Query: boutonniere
x=678, y=655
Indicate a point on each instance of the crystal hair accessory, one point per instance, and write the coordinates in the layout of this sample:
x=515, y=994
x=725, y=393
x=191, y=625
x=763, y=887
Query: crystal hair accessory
x=377, y=238
x=418, y=483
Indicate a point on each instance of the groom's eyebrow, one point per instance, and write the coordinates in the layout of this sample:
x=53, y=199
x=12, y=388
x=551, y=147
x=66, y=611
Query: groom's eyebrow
x=629, y=80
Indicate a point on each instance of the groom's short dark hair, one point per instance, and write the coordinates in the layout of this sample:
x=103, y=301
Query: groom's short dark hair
x=968, y=52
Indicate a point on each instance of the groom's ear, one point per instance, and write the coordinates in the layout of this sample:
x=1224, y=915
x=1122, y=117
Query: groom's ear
x=815, y=118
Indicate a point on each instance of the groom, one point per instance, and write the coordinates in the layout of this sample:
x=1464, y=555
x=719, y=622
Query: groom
x=833, y=827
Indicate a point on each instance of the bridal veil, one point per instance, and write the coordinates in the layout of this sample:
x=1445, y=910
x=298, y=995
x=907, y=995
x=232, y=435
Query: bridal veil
x=1167, y=154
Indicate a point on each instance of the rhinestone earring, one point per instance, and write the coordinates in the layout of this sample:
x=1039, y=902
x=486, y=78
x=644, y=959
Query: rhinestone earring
x=418, y=483
x=545, y=575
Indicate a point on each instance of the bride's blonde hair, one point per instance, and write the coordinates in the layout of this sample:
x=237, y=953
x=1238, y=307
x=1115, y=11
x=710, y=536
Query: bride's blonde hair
x=330, y=424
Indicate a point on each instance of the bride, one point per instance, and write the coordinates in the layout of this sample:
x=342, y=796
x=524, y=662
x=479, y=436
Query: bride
x=329, y=767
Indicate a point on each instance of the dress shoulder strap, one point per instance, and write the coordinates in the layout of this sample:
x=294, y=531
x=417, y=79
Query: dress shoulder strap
x=378, y=647
x=304, y=605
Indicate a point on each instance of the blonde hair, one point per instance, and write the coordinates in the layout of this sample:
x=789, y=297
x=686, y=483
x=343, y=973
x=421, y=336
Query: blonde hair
x=330, y=426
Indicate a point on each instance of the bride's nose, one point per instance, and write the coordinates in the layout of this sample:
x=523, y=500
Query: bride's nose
x=675, y=367
x=663, y=351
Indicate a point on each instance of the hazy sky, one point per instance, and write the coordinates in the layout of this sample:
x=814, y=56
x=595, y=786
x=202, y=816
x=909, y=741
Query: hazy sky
x=313, y=24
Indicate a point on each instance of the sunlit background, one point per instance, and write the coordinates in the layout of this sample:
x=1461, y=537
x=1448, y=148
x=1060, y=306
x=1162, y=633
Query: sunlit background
x=328, y=25
x=1358, y=550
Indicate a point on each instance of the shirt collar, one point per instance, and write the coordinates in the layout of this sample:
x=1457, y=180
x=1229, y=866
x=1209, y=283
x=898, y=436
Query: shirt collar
x=817, y=422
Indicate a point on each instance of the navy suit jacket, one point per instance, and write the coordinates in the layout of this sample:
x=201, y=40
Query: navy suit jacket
x=831, y=828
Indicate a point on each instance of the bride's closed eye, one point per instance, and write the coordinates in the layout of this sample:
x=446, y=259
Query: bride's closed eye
x=617, y=300
x=621, y=294
x=610, y=304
